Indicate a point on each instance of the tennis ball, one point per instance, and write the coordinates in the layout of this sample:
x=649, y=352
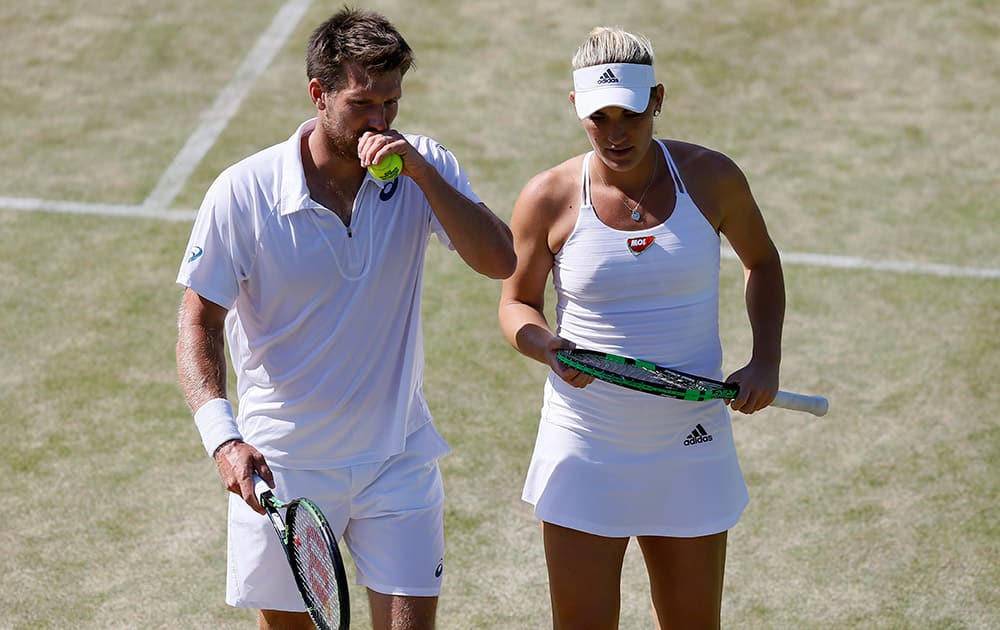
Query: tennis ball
x=388, y=169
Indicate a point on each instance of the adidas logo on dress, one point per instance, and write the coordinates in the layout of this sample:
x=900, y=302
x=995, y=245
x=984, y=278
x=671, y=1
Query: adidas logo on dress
x=608, y=77
x=698, y=436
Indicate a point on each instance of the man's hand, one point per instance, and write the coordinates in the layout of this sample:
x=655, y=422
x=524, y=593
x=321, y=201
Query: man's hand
x=237, y=462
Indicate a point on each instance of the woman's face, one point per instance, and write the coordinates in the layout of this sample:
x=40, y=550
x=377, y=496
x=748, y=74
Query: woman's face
x=620, y=136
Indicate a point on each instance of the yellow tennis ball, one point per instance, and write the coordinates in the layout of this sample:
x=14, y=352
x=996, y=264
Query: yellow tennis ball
x=388, y=169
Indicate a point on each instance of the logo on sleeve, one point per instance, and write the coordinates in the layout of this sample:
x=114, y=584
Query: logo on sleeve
x=640, y=244
x=196, y=253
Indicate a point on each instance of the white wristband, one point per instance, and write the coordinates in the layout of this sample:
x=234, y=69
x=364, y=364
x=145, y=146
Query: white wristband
x=216, y=424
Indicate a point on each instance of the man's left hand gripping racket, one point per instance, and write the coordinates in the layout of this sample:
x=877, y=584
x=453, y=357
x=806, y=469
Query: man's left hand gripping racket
x=313, y=555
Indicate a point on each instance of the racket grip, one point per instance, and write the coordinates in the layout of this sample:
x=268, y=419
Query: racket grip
x=259, y=488
x=816, y=405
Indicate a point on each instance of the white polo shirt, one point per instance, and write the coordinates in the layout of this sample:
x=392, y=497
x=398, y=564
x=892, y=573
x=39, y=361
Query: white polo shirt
x=324, y=326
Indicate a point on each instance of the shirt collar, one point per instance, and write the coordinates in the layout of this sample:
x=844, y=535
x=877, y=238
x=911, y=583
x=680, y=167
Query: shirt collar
x=294, y=190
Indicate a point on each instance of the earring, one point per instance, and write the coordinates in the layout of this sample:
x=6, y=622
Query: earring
x=656, y=112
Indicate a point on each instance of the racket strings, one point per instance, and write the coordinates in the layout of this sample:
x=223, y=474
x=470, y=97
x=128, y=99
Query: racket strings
x=312, y=556
x=671, y=380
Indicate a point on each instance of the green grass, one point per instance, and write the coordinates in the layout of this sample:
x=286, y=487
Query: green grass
x=864, y=129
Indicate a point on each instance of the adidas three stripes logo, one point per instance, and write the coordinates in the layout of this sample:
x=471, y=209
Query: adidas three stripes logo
x=608, y=77
x=698, y=436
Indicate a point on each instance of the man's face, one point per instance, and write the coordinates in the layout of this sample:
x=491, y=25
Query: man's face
x=363, y=104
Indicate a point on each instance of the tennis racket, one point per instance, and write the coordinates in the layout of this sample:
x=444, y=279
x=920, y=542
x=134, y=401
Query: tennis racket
x=648, y=377
x=313, y=555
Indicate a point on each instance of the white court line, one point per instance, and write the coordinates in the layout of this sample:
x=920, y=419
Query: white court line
x=227, y=103
x=864, y=264
x=102, y=209
x=793, y=258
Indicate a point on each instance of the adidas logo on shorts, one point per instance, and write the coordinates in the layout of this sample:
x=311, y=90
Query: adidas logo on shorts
x=698, y=436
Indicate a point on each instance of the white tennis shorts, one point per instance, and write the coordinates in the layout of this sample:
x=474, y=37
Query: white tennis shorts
x=389, y=515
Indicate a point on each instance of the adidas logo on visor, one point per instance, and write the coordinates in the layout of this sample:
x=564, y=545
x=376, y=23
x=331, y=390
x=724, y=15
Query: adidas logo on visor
x=608, y=77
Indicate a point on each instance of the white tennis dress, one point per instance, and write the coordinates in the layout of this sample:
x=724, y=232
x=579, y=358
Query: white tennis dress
x=614, y=462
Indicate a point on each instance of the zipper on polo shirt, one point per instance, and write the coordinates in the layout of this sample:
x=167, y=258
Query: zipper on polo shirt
x=365, y=254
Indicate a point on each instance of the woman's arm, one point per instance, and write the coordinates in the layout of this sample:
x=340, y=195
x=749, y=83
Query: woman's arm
x=539, y=218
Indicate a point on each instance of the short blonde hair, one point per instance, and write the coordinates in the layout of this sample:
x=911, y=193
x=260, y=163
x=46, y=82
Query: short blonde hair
x=612, y=44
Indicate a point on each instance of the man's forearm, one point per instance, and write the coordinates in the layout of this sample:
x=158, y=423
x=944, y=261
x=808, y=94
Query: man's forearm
x=201, y=364
x=482, y=240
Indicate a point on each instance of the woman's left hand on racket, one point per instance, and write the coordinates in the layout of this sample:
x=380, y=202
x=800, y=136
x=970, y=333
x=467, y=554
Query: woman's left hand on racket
x=758, y=382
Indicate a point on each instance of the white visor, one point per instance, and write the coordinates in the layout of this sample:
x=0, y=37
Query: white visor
x=612, y=85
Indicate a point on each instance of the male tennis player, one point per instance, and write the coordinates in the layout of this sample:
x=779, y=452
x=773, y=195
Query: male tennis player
x=311, y=270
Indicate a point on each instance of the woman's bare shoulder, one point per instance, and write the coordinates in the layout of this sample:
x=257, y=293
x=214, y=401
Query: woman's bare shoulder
x=696, y=158
x=553, y=190
x=712, y=178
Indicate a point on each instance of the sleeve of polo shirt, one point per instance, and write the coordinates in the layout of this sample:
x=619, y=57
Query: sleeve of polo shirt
x=219, y=253
x=447, y=164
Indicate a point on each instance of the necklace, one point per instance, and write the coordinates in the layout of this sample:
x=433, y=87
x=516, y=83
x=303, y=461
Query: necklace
x=634, y=210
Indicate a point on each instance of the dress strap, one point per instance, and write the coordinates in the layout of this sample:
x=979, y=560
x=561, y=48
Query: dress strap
x=585, y=182
x=674, y=172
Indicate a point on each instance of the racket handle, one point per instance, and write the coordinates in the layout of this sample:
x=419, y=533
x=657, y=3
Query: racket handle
x=816, y=405
x=259, y=488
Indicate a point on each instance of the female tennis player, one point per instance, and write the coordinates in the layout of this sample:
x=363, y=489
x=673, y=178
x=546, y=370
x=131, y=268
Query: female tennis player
x=630, y=234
